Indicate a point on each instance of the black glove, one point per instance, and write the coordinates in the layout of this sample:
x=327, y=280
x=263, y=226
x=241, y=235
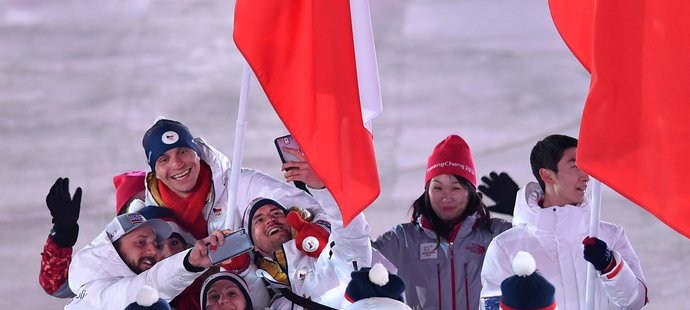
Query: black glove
x=65, y=212
x=502, y=189
x=597, y=253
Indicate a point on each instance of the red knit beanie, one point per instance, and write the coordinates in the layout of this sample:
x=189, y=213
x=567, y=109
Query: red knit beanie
x=127, y=185
x=451, y=156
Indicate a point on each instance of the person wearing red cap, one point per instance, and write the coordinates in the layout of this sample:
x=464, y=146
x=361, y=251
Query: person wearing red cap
x=439, y=254
x=552, y=223
x=64, y=209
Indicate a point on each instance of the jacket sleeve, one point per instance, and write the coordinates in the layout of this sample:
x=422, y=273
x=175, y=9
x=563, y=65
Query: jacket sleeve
x=54, y=269
x=624, y=284
x=349, y=243
x=390, y=244
x=169, y=277
x=496, y=268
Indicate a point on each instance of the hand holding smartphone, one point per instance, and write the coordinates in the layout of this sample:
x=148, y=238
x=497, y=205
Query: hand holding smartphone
x=235, y=243
x=286, y=142
x=289, y=142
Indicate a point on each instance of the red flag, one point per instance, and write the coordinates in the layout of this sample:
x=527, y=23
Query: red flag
x=303, y=54
x=635, y=131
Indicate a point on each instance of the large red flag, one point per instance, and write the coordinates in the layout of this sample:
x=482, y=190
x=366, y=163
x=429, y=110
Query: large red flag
x=303, y=54
x=635, y=131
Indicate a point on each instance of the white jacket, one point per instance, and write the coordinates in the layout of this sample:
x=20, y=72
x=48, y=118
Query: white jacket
x=252, y=184
x=324, y=279
x=102, y=280
x=554, y=238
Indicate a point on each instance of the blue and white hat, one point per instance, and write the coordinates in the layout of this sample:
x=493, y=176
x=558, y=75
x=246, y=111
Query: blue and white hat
x=166, y=135
x=126, y=223
x=527, y=289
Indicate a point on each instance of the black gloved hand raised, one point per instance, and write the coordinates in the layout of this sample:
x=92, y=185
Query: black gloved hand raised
x=65, y=212
x=597, y=253
x=502, y=189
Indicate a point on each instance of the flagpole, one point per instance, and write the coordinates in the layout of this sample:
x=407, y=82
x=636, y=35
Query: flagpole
x=231, y=219
x=593, y=232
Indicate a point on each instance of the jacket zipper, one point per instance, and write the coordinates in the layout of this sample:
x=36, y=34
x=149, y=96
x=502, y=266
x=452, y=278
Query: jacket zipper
x=452, y=274
x=438, y=280
x=467, y=289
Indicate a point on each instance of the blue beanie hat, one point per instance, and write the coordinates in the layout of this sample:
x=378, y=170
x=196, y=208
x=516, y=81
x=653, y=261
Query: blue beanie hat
x=374, y=282
x=147, y=298
x=526, y=289
x=166, y=135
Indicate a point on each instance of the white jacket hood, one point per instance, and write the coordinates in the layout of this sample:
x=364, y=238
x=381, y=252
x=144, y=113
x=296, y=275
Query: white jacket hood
x=527, y=208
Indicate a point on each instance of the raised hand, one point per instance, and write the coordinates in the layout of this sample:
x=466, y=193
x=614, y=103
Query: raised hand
x=301, y=170
x=502, y=189
x=64, y=209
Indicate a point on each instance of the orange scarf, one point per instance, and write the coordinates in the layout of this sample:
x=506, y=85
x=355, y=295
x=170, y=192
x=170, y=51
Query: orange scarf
x=188, y=210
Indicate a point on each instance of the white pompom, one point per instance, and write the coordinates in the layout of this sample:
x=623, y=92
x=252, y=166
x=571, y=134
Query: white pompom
x=378, y=275
x=136, y=205
x=524, y=264
x=147, y=296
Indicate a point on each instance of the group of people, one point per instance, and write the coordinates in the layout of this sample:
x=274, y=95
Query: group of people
x=452, y=254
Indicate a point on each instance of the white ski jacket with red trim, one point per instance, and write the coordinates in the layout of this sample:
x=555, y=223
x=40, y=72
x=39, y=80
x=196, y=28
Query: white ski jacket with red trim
x=554, y=237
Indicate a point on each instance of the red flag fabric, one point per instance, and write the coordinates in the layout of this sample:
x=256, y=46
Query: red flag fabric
x=302, y=53
x=635, y=130
x=574, y=20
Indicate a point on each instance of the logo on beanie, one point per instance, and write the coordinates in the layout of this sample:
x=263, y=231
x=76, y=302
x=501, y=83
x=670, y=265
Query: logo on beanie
x=451, y=164
x=170, y=137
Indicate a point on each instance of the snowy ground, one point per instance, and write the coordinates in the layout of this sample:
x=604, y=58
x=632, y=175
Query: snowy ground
x=82, y=80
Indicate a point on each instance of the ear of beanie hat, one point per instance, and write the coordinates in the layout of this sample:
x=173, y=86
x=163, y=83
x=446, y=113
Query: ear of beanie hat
x=166, y=135
x=451, y=156
x=374, y=282
x=127, y=185
x=527, y=289
x=147, y=298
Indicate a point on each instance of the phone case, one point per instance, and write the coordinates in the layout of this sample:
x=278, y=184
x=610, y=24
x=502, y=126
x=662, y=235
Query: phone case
x=288, y=142
x=235, y=244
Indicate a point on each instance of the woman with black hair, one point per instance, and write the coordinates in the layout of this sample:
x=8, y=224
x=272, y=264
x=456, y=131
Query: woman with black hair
x=439, y=254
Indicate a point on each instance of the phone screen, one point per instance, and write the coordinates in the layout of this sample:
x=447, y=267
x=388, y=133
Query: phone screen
x=287, y=142
x=235, y=243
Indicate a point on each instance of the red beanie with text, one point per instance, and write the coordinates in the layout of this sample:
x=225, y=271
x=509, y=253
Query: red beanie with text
x=451, y=156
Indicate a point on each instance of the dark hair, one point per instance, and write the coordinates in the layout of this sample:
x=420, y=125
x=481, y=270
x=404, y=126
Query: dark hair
x=422, y=206
x=548, y=152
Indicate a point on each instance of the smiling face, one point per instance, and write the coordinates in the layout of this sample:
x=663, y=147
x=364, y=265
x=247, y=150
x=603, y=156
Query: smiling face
x=138, y=249
x=178, y=169
x=269, y=229
x=225, y=295
x=568, y=185
x=448, y=197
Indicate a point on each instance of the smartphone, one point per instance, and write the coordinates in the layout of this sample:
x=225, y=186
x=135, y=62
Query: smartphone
x=289, y=142
x=236, y=243
x=286, y=142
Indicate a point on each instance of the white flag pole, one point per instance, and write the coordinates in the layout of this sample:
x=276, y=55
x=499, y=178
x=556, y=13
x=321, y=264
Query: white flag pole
x=231, y=218
x=593, y=232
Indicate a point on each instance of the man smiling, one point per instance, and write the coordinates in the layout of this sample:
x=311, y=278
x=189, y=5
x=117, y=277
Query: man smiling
x=108, y=272
x=551, y=222
x=191, y=177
